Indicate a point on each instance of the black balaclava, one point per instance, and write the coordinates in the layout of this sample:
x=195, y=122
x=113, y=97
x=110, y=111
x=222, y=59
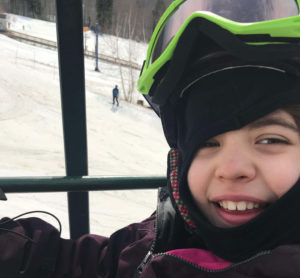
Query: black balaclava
x=226, y=100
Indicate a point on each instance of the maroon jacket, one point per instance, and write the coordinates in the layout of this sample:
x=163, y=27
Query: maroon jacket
x=33, y=248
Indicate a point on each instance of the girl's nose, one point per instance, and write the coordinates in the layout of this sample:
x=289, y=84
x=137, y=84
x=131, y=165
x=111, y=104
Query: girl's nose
x=235, y=165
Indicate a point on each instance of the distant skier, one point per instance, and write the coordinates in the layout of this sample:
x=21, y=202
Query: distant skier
x=115, y=93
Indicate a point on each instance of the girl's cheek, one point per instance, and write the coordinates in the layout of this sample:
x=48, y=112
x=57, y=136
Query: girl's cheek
x=283, y=183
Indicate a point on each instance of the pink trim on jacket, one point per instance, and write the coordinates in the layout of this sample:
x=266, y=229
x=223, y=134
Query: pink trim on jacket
x=202, y=258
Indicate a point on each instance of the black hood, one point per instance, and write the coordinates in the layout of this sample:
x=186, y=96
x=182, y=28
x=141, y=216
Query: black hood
x=225, y=100
x=229, y=99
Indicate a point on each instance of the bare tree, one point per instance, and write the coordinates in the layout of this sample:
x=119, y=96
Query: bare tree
x=125, y=28
x=131, y=24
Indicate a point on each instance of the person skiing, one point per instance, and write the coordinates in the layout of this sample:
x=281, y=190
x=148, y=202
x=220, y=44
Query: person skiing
x=115, y=93
x=228, y=95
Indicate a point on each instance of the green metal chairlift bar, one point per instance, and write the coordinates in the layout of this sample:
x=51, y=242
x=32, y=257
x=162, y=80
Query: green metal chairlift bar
x=72, y=82
x=69, y=184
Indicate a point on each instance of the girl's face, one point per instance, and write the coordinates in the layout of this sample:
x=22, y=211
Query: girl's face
x=237, y=174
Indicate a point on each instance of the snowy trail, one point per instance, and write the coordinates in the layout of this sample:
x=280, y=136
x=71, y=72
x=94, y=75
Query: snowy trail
x=125, y=141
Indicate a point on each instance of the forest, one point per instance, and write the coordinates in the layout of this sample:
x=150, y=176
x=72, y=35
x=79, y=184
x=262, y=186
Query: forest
x=134, y=19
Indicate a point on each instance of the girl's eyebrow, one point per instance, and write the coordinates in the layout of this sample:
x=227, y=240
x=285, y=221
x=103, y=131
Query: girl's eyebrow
x=267, y=121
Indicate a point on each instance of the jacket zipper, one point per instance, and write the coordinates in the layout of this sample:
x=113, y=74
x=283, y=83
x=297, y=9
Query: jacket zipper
x=149, y=255
x=260, y=254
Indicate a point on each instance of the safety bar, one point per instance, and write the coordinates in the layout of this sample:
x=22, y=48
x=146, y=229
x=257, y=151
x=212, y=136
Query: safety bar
x=77, y=184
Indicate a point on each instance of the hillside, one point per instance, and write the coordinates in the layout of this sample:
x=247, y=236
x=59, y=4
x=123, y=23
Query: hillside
x=124, y=141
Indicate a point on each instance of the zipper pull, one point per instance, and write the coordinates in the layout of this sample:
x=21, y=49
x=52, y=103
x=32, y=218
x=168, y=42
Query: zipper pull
x=145, y=261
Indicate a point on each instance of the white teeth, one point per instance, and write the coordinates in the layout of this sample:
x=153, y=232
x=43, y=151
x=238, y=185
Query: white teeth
x=231, y=205
x=224, y=204
x=241, y=205
x=250, y=205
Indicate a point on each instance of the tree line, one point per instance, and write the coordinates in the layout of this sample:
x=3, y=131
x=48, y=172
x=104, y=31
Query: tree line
x=111, y=15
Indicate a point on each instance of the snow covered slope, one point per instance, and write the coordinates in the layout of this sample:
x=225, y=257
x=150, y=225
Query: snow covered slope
x=124, y=141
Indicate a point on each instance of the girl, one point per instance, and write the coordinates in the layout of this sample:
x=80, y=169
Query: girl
x=227, y=94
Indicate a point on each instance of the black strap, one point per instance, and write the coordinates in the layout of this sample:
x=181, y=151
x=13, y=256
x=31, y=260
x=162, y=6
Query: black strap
x=212, y=38
x=2, y=195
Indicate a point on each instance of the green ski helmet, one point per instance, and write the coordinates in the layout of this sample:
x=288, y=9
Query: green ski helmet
x=267, y=31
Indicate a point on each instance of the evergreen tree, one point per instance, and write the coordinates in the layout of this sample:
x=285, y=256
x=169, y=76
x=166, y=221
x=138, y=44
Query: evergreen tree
x=104, y=14
x=35, y=8
x=158, y=10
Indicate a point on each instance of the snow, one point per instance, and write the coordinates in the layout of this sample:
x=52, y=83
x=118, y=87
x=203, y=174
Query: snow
x=107, y=44
x=126, y=141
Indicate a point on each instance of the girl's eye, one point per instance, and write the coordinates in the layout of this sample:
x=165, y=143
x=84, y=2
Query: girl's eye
x=210, y=144
x=273, y=141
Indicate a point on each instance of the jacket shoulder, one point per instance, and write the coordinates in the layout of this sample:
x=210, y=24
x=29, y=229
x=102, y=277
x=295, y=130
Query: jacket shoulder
x=33, y=247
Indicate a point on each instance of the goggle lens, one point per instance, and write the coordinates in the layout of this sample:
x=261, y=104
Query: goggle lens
x=244, y=11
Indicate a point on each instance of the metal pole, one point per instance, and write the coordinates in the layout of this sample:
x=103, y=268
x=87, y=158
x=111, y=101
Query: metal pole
x=71, y=68
x=96, y=46
x=67, y=184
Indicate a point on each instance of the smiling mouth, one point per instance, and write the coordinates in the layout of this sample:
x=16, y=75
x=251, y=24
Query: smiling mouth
x=236, y=213
x=241, y=206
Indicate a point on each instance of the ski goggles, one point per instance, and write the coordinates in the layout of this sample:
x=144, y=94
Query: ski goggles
x=257, y=22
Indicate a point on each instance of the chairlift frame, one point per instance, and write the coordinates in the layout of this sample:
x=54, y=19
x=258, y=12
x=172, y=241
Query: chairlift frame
x=77, y=183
